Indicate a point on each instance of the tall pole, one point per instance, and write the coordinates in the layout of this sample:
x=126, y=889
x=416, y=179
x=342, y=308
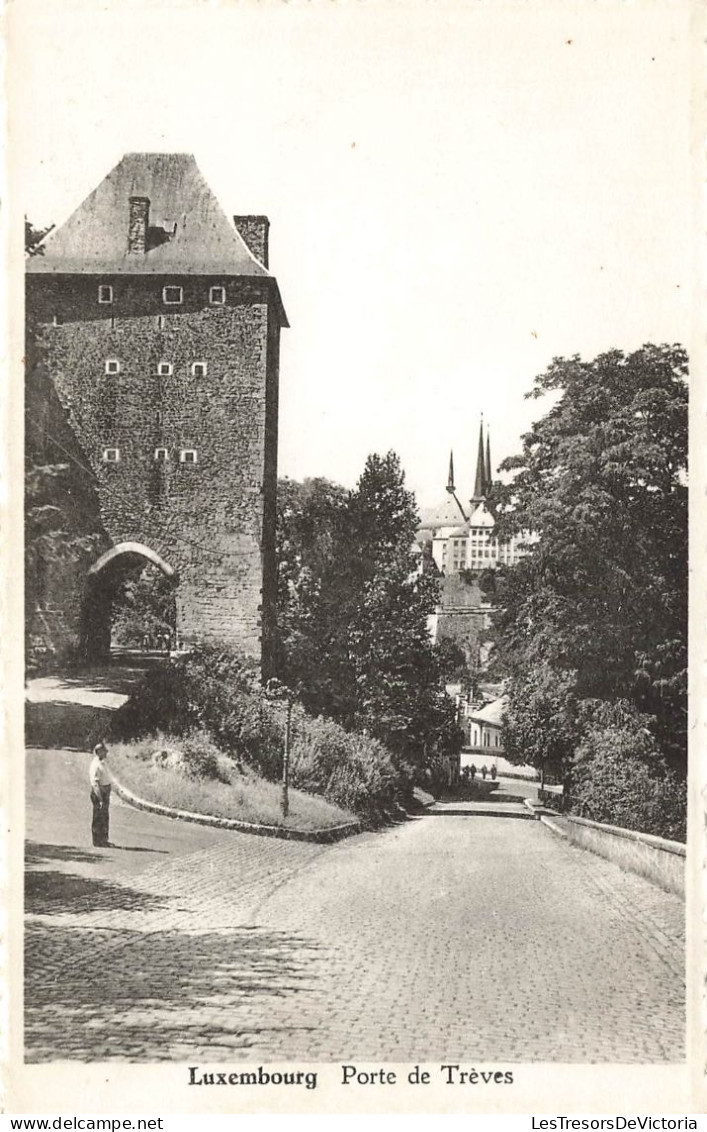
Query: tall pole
x=286, y=760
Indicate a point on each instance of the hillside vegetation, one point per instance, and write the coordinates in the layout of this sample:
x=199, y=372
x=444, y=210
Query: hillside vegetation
x=216, y=714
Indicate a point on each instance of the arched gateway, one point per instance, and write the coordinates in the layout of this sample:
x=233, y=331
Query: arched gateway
x=104, y=590
x=159, y=325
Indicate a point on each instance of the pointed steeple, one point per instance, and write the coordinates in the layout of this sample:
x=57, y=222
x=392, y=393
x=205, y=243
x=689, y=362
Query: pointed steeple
x=480, y=481
x=451, y=488
x=450, y=479
x=489, y=473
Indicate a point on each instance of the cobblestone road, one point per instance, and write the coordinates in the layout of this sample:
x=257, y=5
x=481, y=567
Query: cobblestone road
x=447, y=937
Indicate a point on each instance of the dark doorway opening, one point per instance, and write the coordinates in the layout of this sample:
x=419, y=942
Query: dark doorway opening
x=130, y=608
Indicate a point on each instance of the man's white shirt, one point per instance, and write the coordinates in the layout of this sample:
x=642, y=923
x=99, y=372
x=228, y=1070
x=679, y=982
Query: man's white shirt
x=99, y=774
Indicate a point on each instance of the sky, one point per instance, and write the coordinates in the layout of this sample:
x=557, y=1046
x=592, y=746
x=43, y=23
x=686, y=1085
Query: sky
x=458, y=192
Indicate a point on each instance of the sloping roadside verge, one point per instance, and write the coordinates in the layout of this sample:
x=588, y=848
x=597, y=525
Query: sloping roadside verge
x=321, y=836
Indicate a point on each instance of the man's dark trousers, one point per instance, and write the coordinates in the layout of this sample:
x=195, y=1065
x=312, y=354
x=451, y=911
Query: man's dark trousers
x=101, y=808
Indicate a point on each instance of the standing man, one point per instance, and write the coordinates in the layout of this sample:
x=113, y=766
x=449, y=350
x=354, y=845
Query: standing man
x=100, y=779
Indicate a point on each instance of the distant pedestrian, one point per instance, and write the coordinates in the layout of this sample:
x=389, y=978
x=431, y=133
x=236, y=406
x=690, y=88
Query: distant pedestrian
x=100, y=780
x=493, y=771
x=472, y=771
x=146, y=643
x=484, y=770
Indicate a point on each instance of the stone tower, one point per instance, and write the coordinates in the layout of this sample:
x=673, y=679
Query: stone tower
x=158, y=322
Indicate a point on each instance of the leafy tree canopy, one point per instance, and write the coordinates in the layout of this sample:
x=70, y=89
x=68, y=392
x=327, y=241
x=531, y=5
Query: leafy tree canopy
x=600, y=605
x=354, y=605
x=63, y=531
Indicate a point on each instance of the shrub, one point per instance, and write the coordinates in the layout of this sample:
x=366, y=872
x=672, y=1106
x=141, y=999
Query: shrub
x=351, y=769
x=201, y=758
x=195, y=691
x=620, y=777
x=194, y=755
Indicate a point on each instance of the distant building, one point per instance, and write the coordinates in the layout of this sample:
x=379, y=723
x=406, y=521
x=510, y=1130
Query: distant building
x=462, y=545
x=465, y=541
x=483, y=727
x=158, y=323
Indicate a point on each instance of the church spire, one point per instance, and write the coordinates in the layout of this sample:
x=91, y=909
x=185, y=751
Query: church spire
x=489, y=473
x=450, y=479
x=451, y=488
x=480, y=481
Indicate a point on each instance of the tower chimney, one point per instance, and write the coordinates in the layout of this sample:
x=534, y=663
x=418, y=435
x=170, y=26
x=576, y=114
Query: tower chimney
x=254, y=230
x=137, y=225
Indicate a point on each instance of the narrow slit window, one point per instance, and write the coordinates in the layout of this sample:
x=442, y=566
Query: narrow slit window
x=161, y=455
x=187, y=456
x=160, y=322
x=198, y=369
x=158, y=417
x=112, y=365
x=105, y=293
x=165, y=369
x=172, y=296
x=217, y=296
x=111, y=455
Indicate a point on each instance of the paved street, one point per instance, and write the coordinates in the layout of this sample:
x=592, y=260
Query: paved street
x=450, y=936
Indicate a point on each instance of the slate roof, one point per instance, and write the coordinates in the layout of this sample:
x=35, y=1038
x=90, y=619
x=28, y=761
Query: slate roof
x=445, y=515
x=491, y=714
x=481, y=516
x=190, y=233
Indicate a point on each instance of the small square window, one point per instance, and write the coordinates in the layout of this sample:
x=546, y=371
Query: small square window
x=111, y=455
x=165, y=369
x=172, y=296
x=112, y=365
x=161, y=455
x=217, y=295
x=105, y=293
x=187, y=456
x=198, y=369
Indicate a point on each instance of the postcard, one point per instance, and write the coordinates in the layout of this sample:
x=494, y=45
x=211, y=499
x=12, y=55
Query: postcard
x=346, y=558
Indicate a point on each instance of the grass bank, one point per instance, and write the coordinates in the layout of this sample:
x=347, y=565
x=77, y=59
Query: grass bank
x=189, y=773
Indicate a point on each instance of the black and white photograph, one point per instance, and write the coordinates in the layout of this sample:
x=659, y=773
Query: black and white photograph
x=347, y=448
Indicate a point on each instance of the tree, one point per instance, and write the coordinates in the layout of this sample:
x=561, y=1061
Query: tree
x=34, y=237
x=354, y=611
x=144, y=606
x=62, y=520
x=310, y=523
x=598, y=610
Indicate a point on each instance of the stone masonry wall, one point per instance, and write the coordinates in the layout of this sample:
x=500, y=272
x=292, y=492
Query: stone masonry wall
x=211, y=521
x=460, y=616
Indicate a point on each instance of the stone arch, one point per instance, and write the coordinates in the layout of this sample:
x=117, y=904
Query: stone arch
x=136, y=548
x=102, y=585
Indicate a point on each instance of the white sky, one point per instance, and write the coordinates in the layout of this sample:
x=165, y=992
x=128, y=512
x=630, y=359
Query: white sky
x=458, y=192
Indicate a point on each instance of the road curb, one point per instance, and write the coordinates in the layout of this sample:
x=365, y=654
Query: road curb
x=320, y=836
x=553, y=826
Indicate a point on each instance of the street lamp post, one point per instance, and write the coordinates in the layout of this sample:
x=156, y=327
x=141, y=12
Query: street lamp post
x=286, y=759
x=276, y=690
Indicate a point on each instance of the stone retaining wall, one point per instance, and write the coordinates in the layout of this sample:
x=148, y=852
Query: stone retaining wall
x=656, y=858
